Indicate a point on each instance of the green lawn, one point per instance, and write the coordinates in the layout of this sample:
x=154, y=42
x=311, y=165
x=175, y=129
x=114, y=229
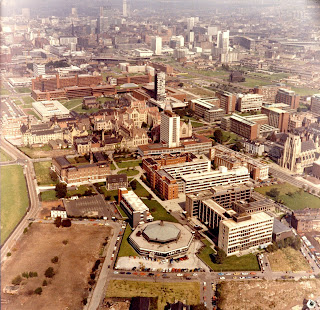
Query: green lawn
x=196, y=124
x=252, y=82
x=31, y=112
x=42, y=170
x=158, y=211
x=132, y=163
x=188, y=292
x=22, y=90
x=48, y=195
x=4, y=156
x=112, y=166
x=14, y=198
x=72, y=103
x=305, y=91
x=232, y=263
x=141, y=191
x=80, y=191
x=113, y=194
x=126, y=249
x=298, y=200
x=27, y=99
x=129, y=173
x=4, y=92
x=17, y=101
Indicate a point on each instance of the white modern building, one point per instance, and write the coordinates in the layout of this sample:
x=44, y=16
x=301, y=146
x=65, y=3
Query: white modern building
x=50, y=108
x=143, y=52
x=59, y=211
x=66, y=41
x=156, y=45
x=243, y=233
x=39, y=69
x=249, y=102
x=133, y=206
x=170, y=129
x=197, y=182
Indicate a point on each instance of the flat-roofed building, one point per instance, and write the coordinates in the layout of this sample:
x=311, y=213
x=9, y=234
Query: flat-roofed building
x=306, y=220
x=133, y=206
x=227, y=101
x=48, y=109
x=277, y=117
x=197, y=182
x=315, y=104
x=244, y=232
x=288, y=97
x=208, y=109
x=223, y=195
x=249, y=102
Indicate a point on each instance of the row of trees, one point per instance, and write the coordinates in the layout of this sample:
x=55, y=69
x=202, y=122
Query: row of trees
x=293, y=242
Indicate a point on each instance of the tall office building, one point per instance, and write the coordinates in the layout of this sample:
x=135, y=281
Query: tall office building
x=191, y=37
x=156, y=45
x=160, y=86
x=39, y=69
x=190, y=23
x=315, y=104
x=170, y=129
x=288, y=97
x=223, y=41
x=74, y=11
x=124, y=8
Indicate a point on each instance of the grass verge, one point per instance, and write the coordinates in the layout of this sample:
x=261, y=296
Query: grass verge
x=158, y=211
x=126, y=249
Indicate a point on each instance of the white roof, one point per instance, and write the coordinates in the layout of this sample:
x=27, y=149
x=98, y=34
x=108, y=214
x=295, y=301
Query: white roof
x=135, y=202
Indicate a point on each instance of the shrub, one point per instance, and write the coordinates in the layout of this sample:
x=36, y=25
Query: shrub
x=44, y=283
x=55, y=259
x=17, y=280
x=66, y=223
x=65, y=241
x=33, y=274
x=25, y=230
x=25, y=275
x=38, y=290
x=9, y=254
x=91, y=282
x=84, y=301
x=57, y=221
x=92, y=276
x=49, y=273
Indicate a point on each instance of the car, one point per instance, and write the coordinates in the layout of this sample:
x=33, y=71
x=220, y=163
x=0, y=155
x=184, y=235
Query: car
x=165, y=276
x=222, y=278
x=236, y=273
x=179, y=274
x=116, y=272
x=195, y=274
x=234, y=278
x=128, y=272
x=244, y=273
x=122, y=272
x=220, y=273
x=248, y=277
x=253, y=273
x=241, y=278
x=228, y=274
x=150, y=274
x=188, y=278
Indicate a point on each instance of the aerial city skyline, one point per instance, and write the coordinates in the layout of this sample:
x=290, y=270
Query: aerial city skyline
x=160, y=154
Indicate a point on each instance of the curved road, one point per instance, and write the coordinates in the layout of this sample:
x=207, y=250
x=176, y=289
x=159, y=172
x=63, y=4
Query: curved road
x=21, y=159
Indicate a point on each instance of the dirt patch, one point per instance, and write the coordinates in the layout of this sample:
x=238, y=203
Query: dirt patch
x=260, y=295
x=116, y=304
x=34, y=252
x=47, y=206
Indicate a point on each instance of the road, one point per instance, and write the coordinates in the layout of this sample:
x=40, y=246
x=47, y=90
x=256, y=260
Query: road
x=29, y=173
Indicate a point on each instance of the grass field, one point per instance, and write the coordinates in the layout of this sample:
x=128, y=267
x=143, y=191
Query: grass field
x=298, y=200
x=304, y=91
x=126, y=249
x=14, y=198
x=158, y=211
x=232, y=263
x=196, y=124
x=141, y=191
x=48, y=195
x=4, y=92
x=31, y=112
x=132, y=163
x=252, y=82
x=112, y=166
x=42, y=170
x=288, y=259
x=189, y=292
x=4, y=156
x=22, y=90
x=27, y=99
x=72, y=103
x=31, y=151
x=80, y=191
x=129, y=173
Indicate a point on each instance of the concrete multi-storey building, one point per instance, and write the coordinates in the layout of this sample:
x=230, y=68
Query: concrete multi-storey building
x=315, y=104
x=268, y=92
x=160, y=86
x=249, y=102
x=306, y=220
x=244, y=127
x=208, y=109
x=156, y=45
x=227, y=101
x=197, y=182
x=223, y=195
x=39, y=69
x=133, y=206
x=288, y=97
x=243, y=233
x=170, y=129
x=277, y=117
x=49, y=109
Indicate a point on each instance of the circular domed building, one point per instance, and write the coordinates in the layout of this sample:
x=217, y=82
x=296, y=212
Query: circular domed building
x=161, y=239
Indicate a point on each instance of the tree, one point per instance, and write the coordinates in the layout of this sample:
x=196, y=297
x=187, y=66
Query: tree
x=144, y=125
x=237, y=146
x=57, y=221
x=66, y=223
x=218, y=135
x=38, y=290
x=220, y=256
x=49, y=273
x=149, y=197
x=53, y=176
x=133, y=184
x=44, y=283
x=55, y=259
x=108, y=197
x=180, y=84
x=274, y=193
x=61, y=190
x=17, y=280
